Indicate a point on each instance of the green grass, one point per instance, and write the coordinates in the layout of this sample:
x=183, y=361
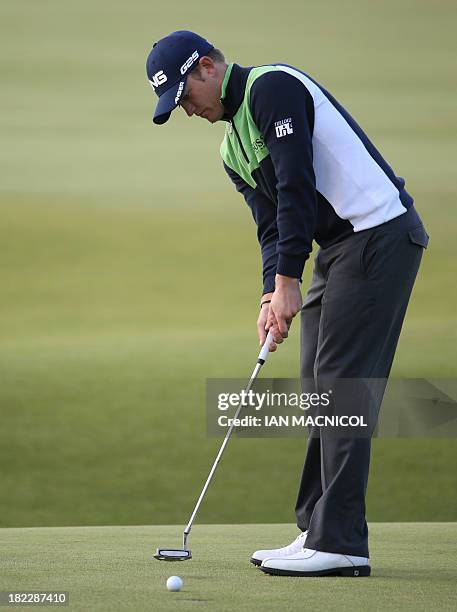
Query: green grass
x=128, y=260
x=413, y=568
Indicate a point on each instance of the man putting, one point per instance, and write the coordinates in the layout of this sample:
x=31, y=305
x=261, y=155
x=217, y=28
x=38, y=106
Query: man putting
x=308, y=172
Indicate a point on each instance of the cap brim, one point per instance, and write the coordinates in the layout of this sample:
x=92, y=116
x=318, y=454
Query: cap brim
x=168, y=101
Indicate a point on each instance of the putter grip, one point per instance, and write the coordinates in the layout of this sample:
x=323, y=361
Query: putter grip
x=265, y=350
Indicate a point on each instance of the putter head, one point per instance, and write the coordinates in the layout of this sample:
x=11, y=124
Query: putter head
x=170, y=554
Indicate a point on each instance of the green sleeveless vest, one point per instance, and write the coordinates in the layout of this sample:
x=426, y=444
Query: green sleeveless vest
x=243, y=147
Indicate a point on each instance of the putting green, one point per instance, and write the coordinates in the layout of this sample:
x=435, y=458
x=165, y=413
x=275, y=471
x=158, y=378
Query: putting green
x=112, y=568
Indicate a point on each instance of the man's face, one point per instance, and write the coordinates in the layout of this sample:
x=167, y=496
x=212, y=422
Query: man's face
x=202, y=94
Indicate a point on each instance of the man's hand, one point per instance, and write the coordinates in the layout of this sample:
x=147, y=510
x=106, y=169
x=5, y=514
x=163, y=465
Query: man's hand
x=285, y=303
x=262, y=320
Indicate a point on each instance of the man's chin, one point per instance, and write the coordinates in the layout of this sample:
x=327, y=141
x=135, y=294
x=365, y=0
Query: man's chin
x=213, y=119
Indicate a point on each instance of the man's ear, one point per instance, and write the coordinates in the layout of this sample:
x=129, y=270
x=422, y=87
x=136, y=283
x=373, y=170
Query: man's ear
x=207, y=64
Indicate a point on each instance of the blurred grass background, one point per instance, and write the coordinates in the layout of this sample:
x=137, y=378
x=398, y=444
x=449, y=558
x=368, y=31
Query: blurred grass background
x=130, y=271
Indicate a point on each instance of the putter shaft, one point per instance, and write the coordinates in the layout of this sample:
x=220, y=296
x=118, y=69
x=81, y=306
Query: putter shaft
x=260, y=361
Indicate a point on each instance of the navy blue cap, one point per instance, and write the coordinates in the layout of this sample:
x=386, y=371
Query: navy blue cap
x=168, y=65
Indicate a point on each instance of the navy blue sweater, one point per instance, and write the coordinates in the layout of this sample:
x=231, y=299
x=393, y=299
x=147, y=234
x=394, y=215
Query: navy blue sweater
x=321, y=178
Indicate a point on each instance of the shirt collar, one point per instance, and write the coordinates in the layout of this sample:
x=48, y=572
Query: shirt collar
x=233, y=88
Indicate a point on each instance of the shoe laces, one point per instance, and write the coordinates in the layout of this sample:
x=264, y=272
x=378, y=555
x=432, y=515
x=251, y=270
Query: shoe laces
x=294, y=543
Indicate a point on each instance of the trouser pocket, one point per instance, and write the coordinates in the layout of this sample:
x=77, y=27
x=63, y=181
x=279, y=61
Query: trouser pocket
x=419, y=236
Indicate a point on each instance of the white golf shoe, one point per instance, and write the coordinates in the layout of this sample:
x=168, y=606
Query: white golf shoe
x=310, y=562
x=296, y=546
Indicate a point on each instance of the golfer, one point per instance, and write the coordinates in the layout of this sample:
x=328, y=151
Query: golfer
x=308, y=172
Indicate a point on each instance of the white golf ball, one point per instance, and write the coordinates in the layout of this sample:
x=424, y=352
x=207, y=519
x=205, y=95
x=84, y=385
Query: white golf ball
x=174, y=583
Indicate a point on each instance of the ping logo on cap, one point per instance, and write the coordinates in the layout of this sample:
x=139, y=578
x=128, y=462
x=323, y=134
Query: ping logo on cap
x=188, y=63
x=158, y=79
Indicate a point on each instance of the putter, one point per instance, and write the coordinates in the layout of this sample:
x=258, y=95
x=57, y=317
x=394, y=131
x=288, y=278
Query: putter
x=184, y=554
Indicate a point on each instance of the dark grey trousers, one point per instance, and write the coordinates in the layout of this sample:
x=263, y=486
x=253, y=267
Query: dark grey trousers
x=350, y=324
